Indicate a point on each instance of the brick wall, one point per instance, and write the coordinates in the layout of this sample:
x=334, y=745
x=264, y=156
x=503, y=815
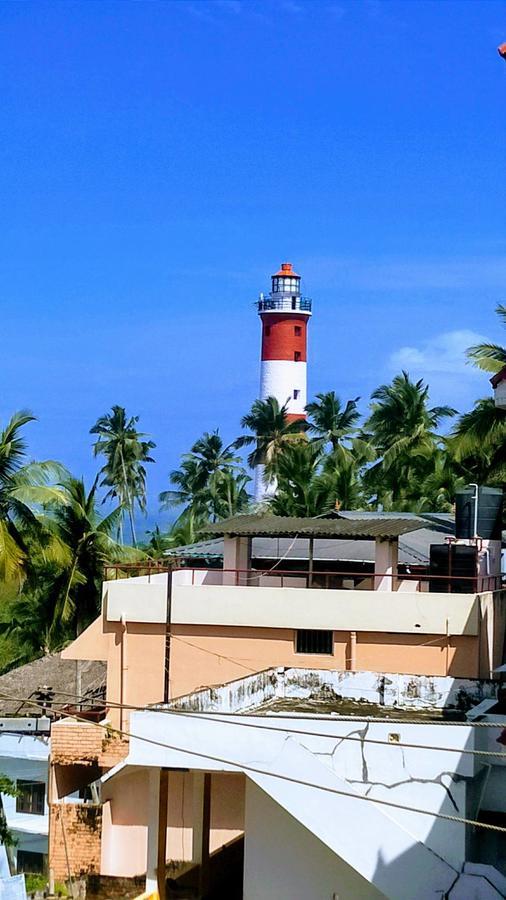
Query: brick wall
x=74, y=839
x=86, y=744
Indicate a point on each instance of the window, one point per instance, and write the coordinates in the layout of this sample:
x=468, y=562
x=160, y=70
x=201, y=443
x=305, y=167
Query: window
x=267, y=330
x=31, y=862
x=297, y=330
x=296, y=394
x=296, y=355
x=30, y=798
x=309, y=641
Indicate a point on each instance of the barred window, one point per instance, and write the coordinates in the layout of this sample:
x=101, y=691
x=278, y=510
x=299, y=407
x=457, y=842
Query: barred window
x=310, y=641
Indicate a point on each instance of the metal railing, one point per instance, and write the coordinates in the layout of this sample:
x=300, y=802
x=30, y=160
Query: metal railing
x=147, y=568
x=285, y=304
x=326, y=579
x=340, y=580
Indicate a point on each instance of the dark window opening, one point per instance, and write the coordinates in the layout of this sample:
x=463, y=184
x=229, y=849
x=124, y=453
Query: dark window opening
x=296, y=355
x=298, y=330
x=267, y=330
x=309, y=641
x=30, y=862
x=30, y=798
x=296, y=394
x=294, y=302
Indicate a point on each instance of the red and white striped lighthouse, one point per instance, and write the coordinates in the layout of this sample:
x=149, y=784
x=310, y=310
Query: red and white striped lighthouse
x=283, y=374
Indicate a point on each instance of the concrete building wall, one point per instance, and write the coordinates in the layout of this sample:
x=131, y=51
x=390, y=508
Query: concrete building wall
x=25, y=757
x=126, y=814
x=281, y=853
x=327, y=781
x=214, y=654
x=408, y=612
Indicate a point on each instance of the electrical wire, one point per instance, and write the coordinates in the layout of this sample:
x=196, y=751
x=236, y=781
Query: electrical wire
x=297, y=716
x=247, y=768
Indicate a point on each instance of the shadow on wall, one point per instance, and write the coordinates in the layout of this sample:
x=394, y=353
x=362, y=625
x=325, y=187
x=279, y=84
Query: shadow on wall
x=456, y=845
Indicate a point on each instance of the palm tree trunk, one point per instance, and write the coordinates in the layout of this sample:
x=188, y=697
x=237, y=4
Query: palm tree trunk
x=129, y=499
x=130, y=516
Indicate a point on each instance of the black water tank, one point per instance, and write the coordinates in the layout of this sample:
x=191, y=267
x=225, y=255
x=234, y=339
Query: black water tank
x=453, y=567
x=489, y=523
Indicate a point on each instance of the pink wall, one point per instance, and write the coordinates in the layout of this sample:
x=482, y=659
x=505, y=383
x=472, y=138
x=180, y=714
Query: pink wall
x=207, y=655
x=125, y=818
x=413, y=655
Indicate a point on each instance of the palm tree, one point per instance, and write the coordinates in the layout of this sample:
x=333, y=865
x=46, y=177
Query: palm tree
x=437, y=491
x=329, y=422
x=232, y=494
x=342, y=476
x=272, y=433
x=24, y=488
x=88, y=537
x=126, y=453
x=300, y=489
x=402, y=428
x=490, y=357
x=478, y=442
x=28, y=622
x=189, y=491
x=210, y=482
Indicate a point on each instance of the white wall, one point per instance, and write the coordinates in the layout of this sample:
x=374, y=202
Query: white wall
x=25, y=757
x=279, y=378
x=320, y=779
x=342, y=610
x=281, y=853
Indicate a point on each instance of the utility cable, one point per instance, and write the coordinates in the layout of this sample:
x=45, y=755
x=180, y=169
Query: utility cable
x=247, y=768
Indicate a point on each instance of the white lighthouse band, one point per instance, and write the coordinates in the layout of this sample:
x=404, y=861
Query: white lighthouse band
x=285, y=380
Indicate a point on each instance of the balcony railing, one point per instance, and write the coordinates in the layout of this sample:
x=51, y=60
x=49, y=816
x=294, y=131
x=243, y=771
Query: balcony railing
x=327, y=580
x=285, y=304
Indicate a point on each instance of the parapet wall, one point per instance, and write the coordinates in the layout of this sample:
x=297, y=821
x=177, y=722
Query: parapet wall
x=384, y=689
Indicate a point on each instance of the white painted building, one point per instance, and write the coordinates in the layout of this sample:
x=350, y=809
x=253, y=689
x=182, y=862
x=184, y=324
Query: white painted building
x=24, y=754
x=343, y=799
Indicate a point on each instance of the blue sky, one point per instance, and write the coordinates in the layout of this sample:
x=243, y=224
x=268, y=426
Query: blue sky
x=159, y=160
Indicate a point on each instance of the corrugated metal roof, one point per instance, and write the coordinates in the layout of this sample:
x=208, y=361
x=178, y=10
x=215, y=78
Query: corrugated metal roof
x=291, y=526
x=212, y=549
x=414, y=548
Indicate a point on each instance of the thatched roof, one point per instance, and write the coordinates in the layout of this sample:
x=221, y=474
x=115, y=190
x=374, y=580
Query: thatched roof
x=49, y=672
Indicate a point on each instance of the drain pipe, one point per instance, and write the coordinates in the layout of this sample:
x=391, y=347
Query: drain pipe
x=353, y=651
x=124, y=666
x=475, y=522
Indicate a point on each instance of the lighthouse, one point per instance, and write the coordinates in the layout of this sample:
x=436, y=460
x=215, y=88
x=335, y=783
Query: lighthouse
x=283, y=372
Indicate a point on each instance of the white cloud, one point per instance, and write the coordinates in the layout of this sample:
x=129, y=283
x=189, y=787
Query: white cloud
x=443, y=353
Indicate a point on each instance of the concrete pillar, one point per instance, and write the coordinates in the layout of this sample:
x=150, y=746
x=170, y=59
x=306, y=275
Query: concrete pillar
x=236, y=556
x=157, y=831
x=385, y=564
x=201, y=824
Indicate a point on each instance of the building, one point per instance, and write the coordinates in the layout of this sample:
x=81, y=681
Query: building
x=392, y=624
x=29, y=696
x=498, y=382
x=339, y=790
x=24, y=756
x=283, y=373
